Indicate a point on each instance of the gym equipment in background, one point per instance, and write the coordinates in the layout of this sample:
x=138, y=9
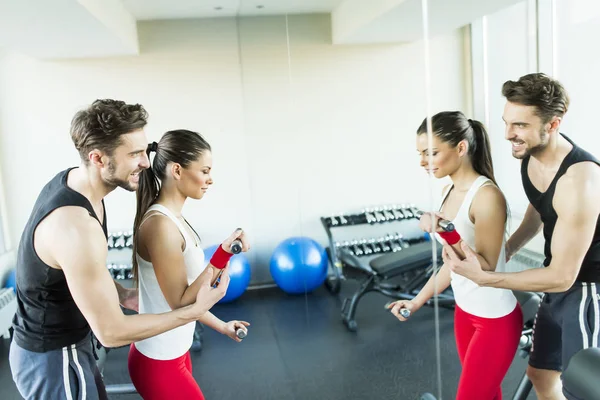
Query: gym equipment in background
x=239, y=274
x=374, y=215
x=410, y=269
x=8, y=303
x=120, y=240
x=396, y=264
x=8, y=291
x=389, y=242
x=299, y=265
x=386, y=214
x=11, y=280
x=120, y=271
x=581, y=376
x=8, y=308
x=117, y=242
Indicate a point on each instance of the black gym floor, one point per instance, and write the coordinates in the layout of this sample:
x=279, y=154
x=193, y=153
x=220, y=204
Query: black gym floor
x=298, y=348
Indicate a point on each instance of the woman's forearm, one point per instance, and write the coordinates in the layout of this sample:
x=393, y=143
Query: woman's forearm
x=443, y=281
x=210, y=320
x=189, y=295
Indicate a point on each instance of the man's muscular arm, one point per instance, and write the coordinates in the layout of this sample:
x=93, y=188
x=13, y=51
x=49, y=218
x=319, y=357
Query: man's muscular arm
x=577, y=206
x=79, y=248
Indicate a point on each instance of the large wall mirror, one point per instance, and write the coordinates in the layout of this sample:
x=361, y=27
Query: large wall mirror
x=333, y=125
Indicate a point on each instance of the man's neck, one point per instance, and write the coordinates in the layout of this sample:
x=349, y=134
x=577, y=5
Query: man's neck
x=554, y=153
x=88, y=182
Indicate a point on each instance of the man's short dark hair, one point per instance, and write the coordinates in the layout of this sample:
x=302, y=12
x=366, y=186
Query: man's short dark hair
x=101, y=125
x=546, y=94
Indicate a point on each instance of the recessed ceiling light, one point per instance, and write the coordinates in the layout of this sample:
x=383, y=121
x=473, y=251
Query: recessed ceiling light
x=218, y=8
x=260, y=6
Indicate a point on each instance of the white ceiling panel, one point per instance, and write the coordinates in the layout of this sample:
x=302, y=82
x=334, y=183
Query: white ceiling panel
x=174, y=9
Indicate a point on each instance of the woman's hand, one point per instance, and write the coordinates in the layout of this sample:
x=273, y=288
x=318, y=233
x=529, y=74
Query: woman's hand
x=230, y=328
x=430, y=219
x=396, y=306
x=240, y=235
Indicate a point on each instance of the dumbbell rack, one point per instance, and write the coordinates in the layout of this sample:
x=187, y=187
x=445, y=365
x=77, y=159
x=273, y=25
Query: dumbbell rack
x=389, y=242
x=120, y=245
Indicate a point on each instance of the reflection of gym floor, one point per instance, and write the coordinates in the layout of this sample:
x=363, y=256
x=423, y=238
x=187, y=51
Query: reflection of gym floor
x=288, y=355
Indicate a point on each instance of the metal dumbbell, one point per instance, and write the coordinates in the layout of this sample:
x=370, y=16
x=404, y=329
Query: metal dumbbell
x=343, y=220
x=366, y=248
x=387, y=213
x=356, y=249
x=375, y=246
x=129, y=239
x=110, y=241
x=385, y=246
x=379, y=215
x=398, y=215
x=119, y=242
x=371, y=219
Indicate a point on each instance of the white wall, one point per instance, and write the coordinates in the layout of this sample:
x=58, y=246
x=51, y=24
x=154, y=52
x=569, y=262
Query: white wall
x=511, y=53
x=577, y=68
x=510, y=42
x=508, y=46
x=335, y=132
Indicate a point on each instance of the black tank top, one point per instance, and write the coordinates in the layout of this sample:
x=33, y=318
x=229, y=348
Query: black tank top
x=542, y=202
x=47, y=317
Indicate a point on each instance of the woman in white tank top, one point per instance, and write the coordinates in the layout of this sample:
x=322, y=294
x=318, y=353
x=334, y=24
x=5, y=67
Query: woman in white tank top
x=488, y=321
x=167, y=260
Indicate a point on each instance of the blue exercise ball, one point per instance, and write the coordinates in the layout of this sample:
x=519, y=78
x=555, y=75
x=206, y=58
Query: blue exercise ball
x=11, y=280
x=239, y=274
x=299, y=265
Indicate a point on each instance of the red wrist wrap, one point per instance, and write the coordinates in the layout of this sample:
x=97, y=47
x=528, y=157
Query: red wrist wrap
x=450, y=237
x=220, y=259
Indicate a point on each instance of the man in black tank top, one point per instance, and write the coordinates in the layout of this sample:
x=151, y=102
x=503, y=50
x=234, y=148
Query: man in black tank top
x=562, y=183
x=64, y=290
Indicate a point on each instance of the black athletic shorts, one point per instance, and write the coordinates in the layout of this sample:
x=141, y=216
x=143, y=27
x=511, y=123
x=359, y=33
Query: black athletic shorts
x=565, y=323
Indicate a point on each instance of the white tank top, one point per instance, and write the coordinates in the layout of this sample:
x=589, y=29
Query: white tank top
x=483, y=302
x=176, y=342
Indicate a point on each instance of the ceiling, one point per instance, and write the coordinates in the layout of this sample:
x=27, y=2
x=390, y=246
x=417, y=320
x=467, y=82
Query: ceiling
x=174, y=9
x=55, y=29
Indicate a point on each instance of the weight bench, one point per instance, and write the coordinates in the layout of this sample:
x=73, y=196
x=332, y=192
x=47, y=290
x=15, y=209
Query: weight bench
x=412, y=266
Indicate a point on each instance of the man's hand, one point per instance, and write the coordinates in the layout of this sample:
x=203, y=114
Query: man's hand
x=470, y=267
x=208, y=296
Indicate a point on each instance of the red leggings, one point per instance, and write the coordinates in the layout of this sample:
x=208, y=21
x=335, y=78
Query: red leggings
x=486, y=348
x=163, y=379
